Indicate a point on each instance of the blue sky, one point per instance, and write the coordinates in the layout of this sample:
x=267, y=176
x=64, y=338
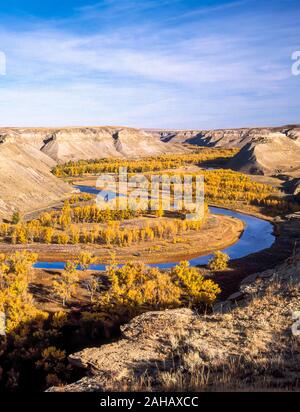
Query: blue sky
x=149, y=63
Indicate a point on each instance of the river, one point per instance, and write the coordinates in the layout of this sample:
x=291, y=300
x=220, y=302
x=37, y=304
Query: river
x=258, y=235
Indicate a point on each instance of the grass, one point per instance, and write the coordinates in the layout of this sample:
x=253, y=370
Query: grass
x=250, y=349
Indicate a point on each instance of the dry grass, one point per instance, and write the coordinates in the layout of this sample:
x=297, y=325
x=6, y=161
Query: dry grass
x=250, y=349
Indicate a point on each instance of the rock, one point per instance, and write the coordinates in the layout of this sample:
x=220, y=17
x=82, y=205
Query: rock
x=222, y=307
x=296, y=315
x=296, y=329
x=267, y=274
x=249, y=279
x=236, y=296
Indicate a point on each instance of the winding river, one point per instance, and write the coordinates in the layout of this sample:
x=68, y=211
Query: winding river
x=258, y=235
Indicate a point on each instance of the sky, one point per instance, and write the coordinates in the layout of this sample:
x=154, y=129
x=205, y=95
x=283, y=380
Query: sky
x=173, y=64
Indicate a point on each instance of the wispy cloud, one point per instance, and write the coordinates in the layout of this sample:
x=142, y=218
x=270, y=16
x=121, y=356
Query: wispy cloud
x=201, y=11
x=233, y=71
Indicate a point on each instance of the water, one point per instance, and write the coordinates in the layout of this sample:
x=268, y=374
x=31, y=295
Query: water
x=257, y=236
x=94, y=191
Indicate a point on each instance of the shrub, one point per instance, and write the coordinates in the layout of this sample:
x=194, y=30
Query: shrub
x=219, y=261
x=195, y=288
x=16, y=217
x=134, y=286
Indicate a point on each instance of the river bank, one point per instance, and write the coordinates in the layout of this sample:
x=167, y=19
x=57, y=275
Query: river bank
x=217, y=233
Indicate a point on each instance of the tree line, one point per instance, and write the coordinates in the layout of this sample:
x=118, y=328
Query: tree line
x=148, y=164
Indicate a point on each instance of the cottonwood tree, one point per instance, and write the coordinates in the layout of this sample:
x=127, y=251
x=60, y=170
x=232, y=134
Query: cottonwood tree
x=65, y=284
x=196, y=290
x=219, y=261
x=85, y=260
x=92, y=285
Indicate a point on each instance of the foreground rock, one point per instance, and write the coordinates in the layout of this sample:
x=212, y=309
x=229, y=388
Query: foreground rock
x=253, y=345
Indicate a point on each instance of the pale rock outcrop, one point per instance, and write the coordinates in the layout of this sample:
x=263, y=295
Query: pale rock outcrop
x=263, y=150
x=253, y=338
x=26, y=181
x=27, y=156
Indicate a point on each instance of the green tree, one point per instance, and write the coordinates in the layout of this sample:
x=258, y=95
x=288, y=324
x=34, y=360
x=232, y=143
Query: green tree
x=16, y=217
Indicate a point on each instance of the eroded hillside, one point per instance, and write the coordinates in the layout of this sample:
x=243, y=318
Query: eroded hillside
x=26, y=181
x=263, y=150
x=75, y=143
x=27, y=156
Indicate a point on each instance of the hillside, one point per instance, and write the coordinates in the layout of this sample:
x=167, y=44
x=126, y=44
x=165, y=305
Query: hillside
x=263, y=150
x=27, y=156
x=74, y=143
x=26, y=181
x=275, y=153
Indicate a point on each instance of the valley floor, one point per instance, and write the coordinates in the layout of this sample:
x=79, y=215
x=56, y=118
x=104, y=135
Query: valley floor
x=217, y=233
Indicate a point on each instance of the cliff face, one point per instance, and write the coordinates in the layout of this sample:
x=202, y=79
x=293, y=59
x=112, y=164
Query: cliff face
x=263, y=150
x=76, y=143
x=27, y=156
x=250, y=342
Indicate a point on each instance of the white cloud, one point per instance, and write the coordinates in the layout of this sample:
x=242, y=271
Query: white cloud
x=171, y=77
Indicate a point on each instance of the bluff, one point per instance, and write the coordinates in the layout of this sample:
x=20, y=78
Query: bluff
x=263, y=150
x=28, y=154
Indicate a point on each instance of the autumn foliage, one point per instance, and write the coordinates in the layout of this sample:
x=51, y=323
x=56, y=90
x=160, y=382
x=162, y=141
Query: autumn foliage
x=136, y=286
x=219, y=261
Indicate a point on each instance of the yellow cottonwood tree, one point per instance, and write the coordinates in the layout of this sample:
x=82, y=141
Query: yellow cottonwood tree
x=196, y=289
x=65, y=284
x=85, y=260
x=219, y=261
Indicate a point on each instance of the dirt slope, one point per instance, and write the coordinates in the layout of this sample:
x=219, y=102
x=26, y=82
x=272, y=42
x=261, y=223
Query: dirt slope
x=263, y=150
x=26, y=182
x=27, y=156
